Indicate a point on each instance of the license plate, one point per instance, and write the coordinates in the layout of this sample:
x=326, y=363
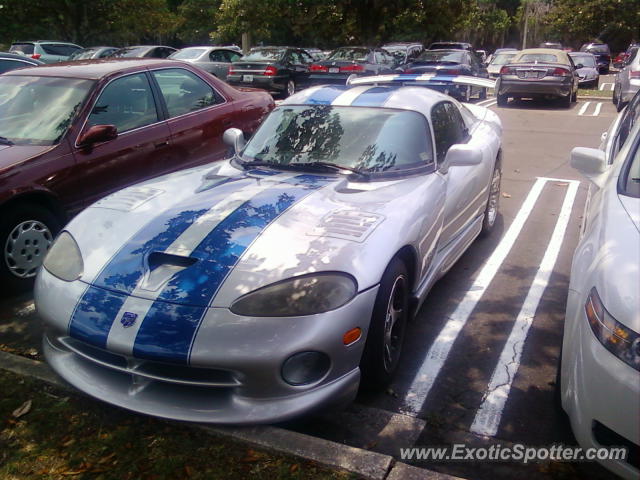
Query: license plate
x=334, y=70
x=530, y=74
x=247, y=78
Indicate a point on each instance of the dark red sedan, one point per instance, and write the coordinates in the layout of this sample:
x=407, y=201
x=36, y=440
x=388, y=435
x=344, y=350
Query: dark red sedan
x=73, y=133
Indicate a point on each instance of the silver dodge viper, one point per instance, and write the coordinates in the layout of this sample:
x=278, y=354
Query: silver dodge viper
x=276, y=282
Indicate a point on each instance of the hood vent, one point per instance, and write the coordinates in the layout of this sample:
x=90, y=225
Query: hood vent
x=128, y=199
x=351, y=225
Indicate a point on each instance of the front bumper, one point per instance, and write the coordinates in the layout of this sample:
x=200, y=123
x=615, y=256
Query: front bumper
x=598, y=389
x=234, y=372
x=512, y=86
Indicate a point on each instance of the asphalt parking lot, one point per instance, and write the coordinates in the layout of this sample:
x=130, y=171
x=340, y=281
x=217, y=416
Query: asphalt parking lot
x=480, y=359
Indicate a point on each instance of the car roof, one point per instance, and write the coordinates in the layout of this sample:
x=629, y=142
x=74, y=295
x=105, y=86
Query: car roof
x=19, y=57
x=45, y=41
x=413, y=98
x=94, y=69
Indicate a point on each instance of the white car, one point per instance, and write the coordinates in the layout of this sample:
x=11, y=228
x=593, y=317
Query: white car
x=599, y=378
x=263, y=287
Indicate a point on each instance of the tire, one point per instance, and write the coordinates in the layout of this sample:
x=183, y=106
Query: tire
x=614, y=98
x=493, y=201
x=483, y=94
x=290, y=90
x=566, y=101
x=502, y=100
x=26, y=234
x=619, y=103
x=383, y=347
x=574, y=97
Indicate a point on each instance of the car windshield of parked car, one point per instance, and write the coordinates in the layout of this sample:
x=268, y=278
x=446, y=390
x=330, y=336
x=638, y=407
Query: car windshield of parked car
x=39, y=110
x=369, y=140
x=536, y=58
x=435, y=56
x=585, y=60
x=187, y=53
x=264, y=54
x=130, y=52
x=502, y=58
x=350, y=54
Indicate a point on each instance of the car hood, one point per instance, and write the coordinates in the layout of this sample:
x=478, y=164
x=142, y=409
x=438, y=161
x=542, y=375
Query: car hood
x=203, y=237
x=13, y=154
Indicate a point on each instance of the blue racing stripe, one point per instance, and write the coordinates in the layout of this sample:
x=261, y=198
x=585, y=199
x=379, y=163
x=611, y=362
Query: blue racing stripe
x=96, y=310
x=374, y=97
x=168, y=330
x=325, y=96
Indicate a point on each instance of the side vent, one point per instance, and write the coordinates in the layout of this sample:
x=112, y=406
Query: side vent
x=351, y=225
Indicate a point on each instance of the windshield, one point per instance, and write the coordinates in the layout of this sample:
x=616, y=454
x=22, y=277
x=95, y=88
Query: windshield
x=39, y=110
x=502, y=58
x=585, y=60
x=350, y=54
x=83, y=54
x=188, y=53
x=595, y=48
x=456, y=56
x=130, y=52
x=262, y=54
x=370, y=140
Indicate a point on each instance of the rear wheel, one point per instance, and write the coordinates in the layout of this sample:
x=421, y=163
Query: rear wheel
x=502, y=100
x=493, y=202
x=483, y=94
x=386, y=332
x=574, y=96
x=26, y=234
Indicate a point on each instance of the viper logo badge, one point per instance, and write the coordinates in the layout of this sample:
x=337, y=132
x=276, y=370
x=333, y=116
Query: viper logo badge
x=128, y=319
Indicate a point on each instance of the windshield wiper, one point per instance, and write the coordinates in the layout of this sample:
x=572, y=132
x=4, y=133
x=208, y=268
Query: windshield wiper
x=5, y=141
x=329, y=166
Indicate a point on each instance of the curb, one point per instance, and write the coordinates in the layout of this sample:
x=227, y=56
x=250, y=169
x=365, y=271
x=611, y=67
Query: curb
x=365, y=463
x=588, y=97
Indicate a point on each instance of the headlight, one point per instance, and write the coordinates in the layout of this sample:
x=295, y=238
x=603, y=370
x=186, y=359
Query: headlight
x=623, y=342
x=303, y=295
x=64, y=259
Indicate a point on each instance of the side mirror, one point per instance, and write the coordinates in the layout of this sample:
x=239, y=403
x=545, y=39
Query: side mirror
x=590, y=162
x=579, y=66
x=234, y=138
x=97, y=134
x=462, y=155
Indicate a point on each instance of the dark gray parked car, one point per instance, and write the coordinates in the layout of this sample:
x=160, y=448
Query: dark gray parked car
x=215, y=60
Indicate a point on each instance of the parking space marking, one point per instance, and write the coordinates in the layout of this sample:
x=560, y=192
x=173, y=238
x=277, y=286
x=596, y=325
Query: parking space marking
x=441, y=347
x=487, y=419
x=603, y=86
x=585, y=107
x=487, y=103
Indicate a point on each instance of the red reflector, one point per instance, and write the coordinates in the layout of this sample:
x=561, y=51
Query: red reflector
x=352, y=68
x=351, y=336
x=231, y=71
x=270, y=71
x=560, y=72
x=318, y=68
x=36, y=56
x=507, y=70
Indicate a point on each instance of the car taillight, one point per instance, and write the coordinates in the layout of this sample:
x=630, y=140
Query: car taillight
x=36, y=56
x=318, y=68
x=270, y=71
x=560, y=72
x=352, y=68
x=450, y=71
x=506, y=70
x=634, y=74
x=231, y=71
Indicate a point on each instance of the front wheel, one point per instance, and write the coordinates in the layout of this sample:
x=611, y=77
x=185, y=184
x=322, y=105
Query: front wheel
x=26, y=234
x=386, y=332
x=502, y=100
x=493, y=202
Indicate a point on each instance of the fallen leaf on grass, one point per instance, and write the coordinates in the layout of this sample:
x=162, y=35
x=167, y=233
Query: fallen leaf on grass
x=506, y=195
x=68, y=442
x=22, y=409
x=106, y=459
x=294, y=468
x=252, y=456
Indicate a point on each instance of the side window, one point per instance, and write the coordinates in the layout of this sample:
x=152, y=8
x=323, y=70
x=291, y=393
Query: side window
x=127, y=103
x=184, y=91
x=448, y=128
x=232, y=56
x=306, y=58
x=630, y=117
x=108, y=52
x=378, y=57
x=295, y=58
x=218, y=56
x=6, y=65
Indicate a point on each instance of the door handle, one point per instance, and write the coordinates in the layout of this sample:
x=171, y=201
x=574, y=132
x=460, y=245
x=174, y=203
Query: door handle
x=161, y=144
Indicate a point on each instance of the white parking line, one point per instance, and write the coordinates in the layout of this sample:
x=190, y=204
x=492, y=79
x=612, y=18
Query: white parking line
x=603, y=86
x=584, y=108
x=488, y=417
x=439, y=350
x=596, y=112
x=485, y=103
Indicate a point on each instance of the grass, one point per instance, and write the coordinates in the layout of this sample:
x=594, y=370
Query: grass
x=62, y=436
x=594, y=92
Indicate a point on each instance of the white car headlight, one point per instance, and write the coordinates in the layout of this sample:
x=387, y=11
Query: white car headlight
x=64, y=259
x=298, y=296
